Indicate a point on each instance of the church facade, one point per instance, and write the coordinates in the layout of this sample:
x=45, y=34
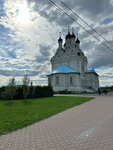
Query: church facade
x=69, y=68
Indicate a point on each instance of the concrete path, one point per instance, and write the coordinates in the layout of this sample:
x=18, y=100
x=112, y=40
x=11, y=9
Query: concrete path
x=85, y=127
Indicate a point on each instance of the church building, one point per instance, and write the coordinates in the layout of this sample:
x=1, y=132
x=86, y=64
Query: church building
x=69, y=67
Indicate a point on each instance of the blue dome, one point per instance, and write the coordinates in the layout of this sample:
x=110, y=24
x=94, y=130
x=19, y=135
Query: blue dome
x=91, y=71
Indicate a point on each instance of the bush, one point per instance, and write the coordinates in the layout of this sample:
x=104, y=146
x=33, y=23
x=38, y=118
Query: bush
x=63, y=92
x=34, y=92
x=2, y=89
x=44, y=91
x=19, y=93
x=109, y=89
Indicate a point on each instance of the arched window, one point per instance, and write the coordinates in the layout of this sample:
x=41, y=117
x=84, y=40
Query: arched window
x=49, y=81
x=71, y=80
x=57, y=80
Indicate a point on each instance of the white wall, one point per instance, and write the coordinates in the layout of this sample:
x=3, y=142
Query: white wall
x=64, y=82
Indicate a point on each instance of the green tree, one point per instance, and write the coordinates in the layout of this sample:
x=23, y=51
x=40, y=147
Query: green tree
x=26, y=82
x=31, y=90
x=10, y=89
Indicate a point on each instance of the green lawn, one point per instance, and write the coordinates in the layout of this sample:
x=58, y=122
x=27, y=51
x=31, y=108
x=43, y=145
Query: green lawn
x=22, y=113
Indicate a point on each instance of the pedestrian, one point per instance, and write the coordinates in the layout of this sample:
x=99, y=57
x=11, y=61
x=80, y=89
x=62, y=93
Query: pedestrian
x=99, y=92
x=105, y=92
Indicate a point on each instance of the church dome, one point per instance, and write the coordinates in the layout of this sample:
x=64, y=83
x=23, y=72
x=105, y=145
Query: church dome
x=73, y=35
x=77, y=41
x=68, y=35
x=60, y=40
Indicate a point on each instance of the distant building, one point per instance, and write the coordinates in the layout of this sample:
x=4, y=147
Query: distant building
x=69, y=68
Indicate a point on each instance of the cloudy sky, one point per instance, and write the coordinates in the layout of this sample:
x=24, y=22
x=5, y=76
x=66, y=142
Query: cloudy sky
x=29, y=32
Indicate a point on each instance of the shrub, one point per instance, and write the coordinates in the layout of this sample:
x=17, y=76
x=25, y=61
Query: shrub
x=44, y=91
x=19, y=92
x=34, y=92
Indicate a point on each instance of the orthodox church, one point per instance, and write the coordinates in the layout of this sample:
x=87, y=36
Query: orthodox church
x=69, y=67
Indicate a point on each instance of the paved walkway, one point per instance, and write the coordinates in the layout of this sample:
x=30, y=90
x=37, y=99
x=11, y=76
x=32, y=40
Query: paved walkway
x=85, y=127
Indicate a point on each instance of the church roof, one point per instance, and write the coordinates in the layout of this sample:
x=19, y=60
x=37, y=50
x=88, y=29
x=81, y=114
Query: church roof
x=91, y=71
x=64, y=69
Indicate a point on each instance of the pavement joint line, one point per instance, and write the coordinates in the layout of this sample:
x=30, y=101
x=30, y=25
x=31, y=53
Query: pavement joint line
x=85, y=127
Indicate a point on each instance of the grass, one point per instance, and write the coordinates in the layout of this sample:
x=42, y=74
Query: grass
x=22, y=113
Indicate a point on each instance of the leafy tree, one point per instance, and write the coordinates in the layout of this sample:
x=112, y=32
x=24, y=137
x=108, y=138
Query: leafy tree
x=2, y=90
x=10, y=90
x=19, y=92
x=12, y=87
x=31, y=90
x=26, y=82
x=44, y=91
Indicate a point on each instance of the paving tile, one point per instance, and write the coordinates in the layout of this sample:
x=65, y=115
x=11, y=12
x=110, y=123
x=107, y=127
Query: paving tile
x=86, y=127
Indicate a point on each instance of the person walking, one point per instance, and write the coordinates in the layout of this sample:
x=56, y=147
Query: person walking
x=99, y=92
x=105, y=92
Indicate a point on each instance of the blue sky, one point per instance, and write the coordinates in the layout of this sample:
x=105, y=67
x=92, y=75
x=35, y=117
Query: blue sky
x=29, y=32
x=107, y=21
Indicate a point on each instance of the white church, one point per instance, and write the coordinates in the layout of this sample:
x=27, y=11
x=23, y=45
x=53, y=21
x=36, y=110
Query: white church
x=69, y=67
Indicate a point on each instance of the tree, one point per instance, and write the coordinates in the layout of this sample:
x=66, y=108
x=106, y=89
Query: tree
x=26, y=82
x=19, y=92
x=10, y=90
x=31, y=90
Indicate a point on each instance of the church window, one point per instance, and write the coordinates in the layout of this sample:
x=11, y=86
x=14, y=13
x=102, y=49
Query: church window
x=57, y=80
x=50, y=82
x=71, y=80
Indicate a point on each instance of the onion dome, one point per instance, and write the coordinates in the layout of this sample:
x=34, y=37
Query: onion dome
x=68, y=35
x=60, y=39
x=78, y=41
x=73, y=35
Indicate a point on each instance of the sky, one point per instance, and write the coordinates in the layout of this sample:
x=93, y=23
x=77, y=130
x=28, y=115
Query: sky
x=29, y=31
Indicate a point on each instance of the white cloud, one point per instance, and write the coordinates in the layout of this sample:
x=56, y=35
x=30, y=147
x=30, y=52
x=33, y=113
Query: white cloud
x=33, y=36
